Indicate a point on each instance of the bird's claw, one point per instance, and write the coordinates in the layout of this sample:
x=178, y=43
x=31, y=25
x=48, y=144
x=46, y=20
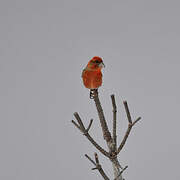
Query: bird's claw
x=93, y=93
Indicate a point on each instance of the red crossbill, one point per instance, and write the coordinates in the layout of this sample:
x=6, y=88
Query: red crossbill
x=92, y=75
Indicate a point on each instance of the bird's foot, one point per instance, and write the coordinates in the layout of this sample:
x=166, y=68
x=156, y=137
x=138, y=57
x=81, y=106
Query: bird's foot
x=93, y=93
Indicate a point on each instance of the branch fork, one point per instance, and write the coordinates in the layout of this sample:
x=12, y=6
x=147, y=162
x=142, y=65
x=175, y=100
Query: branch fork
x=81, y=125
x=85, y=132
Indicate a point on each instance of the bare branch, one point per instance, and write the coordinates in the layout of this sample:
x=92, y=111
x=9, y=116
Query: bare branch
x=106, y=133
x=138, y=119
x=125, y=138
x=114, y=119
x=90, y=159
x=76, y=125
x=97, y=166
x=127, y=111
x=76, y=115
x=91, y=121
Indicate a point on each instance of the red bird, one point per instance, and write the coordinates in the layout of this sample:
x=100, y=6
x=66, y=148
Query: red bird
x=92, y=76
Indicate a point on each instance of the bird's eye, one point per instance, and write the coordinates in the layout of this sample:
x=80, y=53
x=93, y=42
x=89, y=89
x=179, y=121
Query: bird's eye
x=96, y=61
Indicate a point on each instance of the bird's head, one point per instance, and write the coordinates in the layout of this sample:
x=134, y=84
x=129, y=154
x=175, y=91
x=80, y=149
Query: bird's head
x=96, y=63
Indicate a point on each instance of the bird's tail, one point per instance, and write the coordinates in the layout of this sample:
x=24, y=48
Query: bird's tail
x=93, y=93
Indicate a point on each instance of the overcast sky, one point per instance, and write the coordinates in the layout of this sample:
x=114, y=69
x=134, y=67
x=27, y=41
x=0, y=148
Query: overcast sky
x=45, y=44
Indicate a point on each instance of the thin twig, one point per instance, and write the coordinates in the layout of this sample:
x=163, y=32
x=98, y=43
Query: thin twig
x=127, y=134
x=124, y=139
x=76, y=115
x=76, y=125
x=127, y=112
x=114, y=119
x=138, y=119
x=91, y=121
x=97, y=166
x=90, y=159
x=130, y=125
x=121, y=172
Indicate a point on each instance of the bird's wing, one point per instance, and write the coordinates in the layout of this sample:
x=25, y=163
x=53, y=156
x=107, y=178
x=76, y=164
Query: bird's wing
x=98, y=78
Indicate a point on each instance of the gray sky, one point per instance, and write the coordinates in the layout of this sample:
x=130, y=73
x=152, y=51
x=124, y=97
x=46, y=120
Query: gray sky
x=44, y=45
